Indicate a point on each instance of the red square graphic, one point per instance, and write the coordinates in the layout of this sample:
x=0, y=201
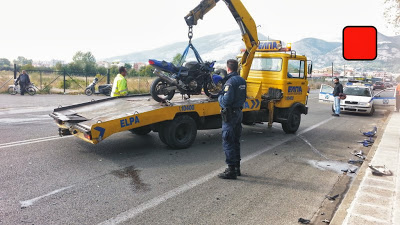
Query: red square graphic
x=360, y=43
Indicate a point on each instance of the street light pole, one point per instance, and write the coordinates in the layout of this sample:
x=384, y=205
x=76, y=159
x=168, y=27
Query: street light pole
x=332, y=69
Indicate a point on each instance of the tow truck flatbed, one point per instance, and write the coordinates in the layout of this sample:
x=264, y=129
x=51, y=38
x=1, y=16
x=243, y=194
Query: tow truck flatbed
x=96, y=120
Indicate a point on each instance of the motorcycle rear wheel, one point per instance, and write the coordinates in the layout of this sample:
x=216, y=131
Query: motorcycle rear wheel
x=211, y=90
x=31, y=91
x=157, y=92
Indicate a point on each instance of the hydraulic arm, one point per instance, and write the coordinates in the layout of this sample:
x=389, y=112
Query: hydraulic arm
x=245, y=21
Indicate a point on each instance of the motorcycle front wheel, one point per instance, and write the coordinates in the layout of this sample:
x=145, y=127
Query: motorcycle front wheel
x=212, y=90
x=88, y=91
x=158, y=92
x=12, y=91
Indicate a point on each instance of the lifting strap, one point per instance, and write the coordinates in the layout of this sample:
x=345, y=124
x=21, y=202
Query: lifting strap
x=190, y=46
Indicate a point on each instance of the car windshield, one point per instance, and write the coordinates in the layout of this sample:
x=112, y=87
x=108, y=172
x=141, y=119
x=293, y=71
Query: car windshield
x=357, y=91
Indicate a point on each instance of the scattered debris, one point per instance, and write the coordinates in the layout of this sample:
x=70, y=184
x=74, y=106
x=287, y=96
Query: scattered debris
x=380, y=170
x=258, y=132
x=359, y=154
x=303, y=221
x=370, y=133
x=345, y=171
x=353, y=171
x=332, y=198
x=325, y=221
x=352, y=161
x=322, y=214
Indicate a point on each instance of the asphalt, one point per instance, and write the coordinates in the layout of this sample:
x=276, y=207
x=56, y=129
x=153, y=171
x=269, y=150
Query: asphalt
x=129, y=179
x=374, y=198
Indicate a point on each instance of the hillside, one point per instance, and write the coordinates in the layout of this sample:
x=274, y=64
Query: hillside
x=227, y=45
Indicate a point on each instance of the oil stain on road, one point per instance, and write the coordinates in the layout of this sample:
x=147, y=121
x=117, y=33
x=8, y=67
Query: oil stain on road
x=131, y=172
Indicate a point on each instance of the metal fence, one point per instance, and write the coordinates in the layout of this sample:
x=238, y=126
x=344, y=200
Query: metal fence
x=70, y=82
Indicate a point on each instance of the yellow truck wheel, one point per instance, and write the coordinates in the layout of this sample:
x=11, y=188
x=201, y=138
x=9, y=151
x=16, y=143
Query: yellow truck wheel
x=291, y=125
x=180, y=132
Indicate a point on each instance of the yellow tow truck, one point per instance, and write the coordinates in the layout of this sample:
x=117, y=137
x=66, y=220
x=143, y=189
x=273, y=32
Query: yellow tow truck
x=276, y=92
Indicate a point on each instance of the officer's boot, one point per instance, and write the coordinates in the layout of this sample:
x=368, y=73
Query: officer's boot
x=237, y=169
x=229, y=173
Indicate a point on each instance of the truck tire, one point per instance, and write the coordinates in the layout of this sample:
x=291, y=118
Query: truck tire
x=156, y=90
x=162, y=132
x=180, y=133
x=141, y=130
x=293, y=122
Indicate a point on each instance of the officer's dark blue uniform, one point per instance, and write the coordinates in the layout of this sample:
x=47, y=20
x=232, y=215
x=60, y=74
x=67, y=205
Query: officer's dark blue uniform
x=233, y=98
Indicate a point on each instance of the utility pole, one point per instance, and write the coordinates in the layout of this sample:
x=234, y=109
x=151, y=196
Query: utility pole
x=332, y=69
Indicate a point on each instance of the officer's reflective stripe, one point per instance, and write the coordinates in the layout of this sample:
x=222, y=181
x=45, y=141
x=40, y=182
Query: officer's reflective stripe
x=125, y=90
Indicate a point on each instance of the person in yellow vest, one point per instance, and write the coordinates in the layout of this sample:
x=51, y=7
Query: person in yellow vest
x=120, y=86
x=397, y=95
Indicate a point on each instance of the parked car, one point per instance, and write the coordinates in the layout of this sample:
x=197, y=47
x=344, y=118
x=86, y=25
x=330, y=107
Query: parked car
x=379, y=85
x=388, y=85
x=358, y=100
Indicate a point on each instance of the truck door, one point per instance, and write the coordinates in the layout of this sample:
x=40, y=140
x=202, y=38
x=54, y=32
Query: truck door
x=384, y=99
x=296, y=81
x=325, y=94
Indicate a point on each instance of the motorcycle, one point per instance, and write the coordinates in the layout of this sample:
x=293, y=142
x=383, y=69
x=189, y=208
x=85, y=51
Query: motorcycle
x=190, y=79
x=103, y=89
x=16, y=89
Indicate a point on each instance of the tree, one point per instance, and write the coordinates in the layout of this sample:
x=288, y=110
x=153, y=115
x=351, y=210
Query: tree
x=177, y=59
x=83, y=62
x=398, y=79
x=392, y=13
x=128, y=66
x=4, y=62
x=22, y=61
x=146, y=71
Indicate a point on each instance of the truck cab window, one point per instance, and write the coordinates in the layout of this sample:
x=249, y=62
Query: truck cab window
x=267, y=64
x=295, y=69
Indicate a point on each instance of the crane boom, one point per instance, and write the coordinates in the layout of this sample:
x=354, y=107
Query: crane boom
x=246, y=24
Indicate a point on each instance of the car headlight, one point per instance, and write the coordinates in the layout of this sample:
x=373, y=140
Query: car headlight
x=364, y=103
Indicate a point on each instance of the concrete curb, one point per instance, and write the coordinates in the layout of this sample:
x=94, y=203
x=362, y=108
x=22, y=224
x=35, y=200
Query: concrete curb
x=341, y=213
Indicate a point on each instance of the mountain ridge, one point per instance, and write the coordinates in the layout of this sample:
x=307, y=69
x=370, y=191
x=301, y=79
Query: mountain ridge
x=222, y=46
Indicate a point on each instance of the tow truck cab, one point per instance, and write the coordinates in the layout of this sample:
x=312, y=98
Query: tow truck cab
x=284, y=86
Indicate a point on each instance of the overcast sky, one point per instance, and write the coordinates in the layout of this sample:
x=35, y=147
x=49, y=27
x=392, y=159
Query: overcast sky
x=56, y=29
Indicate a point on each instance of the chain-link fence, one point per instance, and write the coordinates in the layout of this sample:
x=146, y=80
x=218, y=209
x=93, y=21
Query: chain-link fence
x=67, y=82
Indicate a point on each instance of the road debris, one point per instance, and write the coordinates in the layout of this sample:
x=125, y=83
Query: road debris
x=370, y=133
x=303, y=221
x=352, y=161
x=325, y=221
x=380, y=170
x=332, y=198
x=359, y=154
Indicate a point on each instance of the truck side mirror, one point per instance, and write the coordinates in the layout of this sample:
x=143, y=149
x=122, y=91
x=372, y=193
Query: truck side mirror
x=310, y=68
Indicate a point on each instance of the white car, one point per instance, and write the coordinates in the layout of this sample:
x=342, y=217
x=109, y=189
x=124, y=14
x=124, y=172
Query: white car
x=359, y=99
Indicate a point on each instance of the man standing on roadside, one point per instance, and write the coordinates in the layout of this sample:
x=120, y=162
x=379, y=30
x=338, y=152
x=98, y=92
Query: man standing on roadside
x=231, y=101
x=24, y=81
x=120, y=86
x=397, y=95
x=337, y=91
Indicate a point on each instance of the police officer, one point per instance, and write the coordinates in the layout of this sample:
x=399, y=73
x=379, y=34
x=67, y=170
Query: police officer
x=120, y=86
x=24, y=81
x=231, y=101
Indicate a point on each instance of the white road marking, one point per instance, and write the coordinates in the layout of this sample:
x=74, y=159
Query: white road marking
x=30, y=202
x=31, y=141
x=133, y=212
x=312, y=147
